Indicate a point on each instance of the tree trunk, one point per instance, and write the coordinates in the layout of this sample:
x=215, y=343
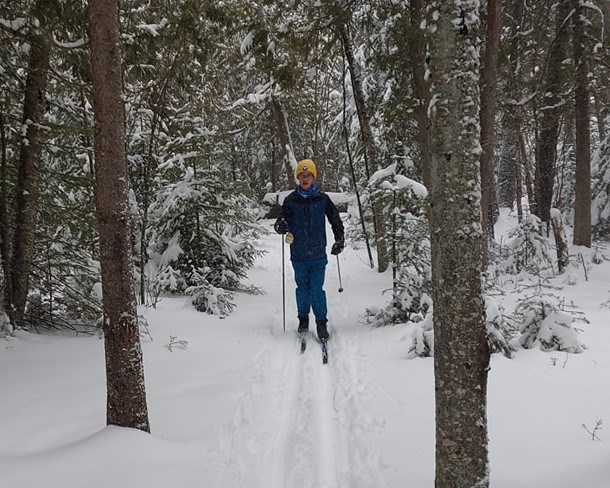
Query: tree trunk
x=368, y=142
x=529, y=185
x=5, y=237
x=507, y=167
x=551, y=114
x=126, y=397
x=518, y=181
x=582, y=204
x=605, y=6
x=28, y=178
x=489, y=71
x=283, y=135
x=421, y=89
x=461, y=351
x=561, y=242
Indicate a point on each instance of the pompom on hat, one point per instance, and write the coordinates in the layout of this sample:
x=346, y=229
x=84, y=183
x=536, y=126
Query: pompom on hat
x=306, y=166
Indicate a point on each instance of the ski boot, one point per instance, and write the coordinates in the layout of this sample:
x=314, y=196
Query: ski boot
x=323, y=334
x=303, y=324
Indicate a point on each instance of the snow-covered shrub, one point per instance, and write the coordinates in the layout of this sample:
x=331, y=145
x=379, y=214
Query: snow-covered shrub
x=499, y=332
x=203, y=240
x=6, y=328
x=408, y=244
x=210, y=299
x=527, y=249
x=422, y=339
x=543, y=324
x=597, y=255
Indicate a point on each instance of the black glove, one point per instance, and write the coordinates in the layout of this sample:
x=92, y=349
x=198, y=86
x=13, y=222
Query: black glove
x=281, y=226
x=338, y=246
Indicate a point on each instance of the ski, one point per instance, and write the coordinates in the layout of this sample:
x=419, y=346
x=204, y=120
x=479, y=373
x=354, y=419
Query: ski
x=303, y=341
x=324, y=346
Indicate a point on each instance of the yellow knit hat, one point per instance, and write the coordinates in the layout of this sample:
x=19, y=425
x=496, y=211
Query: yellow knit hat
x=305, y=166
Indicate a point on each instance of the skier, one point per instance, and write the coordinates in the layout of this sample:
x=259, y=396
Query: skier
x=302, y=219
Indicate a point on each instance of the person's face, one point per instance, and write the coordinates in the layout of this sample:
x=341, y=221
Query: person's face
x=305, y=180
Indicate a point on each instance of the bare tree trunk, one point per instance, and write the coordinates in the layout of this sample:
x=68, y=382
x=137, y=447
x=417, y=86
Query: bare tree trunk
x=507, y=166
x=28, y=178
x=551, y=115
x=353, y=174
x=368, y=142
x=489, y=72
x=561, y=242
x=421, y=89
x=461, y=351
x=5, y=237
x=126, y=396
x=518, y=181
x=529, y=185
x=582, y=204
x=605, y=6
x=283, y=134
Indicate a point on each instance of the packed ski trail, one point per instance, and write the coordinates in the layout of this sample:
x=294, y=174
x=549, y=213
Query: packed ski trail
x=304, y=422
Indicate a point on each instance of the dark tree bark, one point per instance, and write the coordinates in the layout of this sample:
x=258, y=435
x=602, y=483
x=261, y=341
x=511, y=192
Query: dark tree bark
x=582, y=205
x=417, y=53
x=461, y=351
x=529, y=185
x=368, y=142
x=28, y=179
x=5, y=236
x=126, y=397
x=508, y=166
x=551, y=114
x=283, y=134
x=489, y=72
x=561, y=242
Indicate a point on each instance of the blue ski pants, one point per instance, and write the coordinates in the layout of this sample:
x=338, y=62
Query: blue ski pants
x=310, y=294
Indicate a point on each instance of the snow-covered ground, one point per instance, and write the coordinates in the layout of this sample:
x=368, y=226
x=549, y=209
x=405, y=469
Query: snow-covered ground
x=233, y=404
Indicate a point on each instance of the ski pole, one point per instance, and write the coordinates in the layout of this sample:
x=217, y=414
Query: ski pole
x=339, y=270
x=283, y=287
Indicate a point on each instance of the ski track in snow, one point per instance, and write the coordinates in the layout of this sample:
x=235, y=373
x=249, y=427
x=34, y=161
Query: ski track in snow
x=301, y=423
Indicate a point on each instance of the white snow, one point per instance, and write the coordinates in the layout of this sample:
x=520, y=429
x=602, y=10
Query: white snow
x=15, y=24
x=153, y=29
x=246, y=43
x=237, y=405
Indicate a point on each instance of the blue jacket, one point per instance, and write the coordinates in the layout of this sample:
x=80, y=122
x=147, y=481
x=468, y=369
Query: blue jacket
x=306, y=219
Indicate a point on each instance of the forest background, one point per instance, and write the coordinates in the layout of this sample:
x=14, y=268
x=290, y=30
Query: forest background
x=222, y=98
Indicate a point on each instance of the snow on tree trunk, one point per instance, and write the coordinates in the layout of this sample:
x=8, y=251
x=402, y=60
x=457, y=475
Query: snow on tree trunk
x=126, y=396
x=460, y=343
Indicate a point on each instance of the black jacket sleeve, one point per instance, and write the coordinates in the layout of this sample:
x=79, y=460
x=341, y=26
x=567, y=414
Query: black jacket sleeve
x=335, y=220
